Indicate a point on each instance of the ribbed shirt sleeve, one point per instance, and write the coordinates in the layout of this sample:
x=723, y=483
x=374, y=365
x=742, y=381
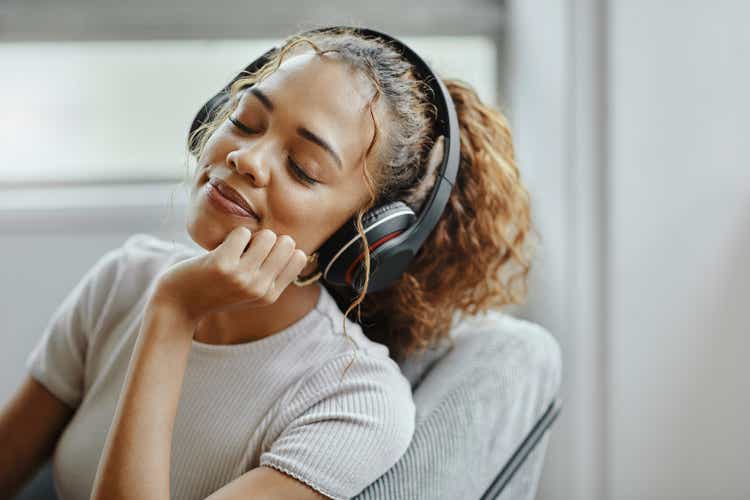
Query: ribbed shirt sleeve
x=58, y=359
x=338, y=434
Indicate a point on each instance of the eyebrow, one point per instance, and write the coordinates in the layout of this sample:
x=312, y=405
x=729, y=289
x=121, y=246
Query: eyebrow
x=302, y=131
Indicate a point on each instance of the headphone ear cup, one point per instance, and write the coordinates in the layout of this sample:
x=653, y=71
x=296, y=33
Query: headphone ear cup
x=341, y=257
x=372, y=215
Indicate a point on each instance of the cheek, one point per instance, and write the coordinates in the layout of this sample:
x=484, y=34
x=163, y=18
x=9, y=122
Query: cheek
x=215, y=146
x=309, y=220
x=294, y=208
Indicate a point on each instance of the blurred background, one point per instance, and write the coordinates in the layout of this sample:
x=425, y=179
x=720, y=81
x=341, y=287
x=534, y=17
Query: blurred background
x=630, y=123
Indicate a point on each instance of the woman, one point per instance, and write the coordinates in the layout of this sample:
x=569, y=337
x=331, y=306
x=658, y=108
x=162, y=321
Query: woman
x=208, y=376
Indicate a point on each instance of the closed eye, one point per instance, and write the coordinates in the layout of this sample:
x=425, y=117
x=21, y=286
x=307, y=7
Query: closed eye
x=241, y=125
x=298, y=171
x=301, y=173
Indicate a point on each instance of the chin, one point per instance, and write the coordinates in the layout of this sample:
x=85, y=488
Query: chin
x=209, y=232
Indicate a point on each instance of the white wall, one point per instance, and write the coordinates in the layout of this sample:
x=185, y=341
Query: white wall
x=679, y=236
x=631, y=121
x=540, y=102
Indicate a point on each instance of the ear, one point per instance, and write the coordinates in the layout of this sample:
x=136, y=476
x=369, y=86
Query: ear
x=418, y=193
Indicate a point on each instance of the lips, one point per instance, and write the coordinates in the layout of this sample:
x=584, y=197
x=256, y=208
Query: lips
x=227, y=191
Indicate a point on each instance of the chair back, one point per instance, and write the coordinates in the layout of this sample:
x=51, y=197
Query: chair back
x=475, y=403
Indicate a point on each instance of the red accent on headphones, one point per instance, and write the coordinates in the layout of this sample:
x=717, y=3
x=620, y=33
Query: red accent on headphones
x=375, y=245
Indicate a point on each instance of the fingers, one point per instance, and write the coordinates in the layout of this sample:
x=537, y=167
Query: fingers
x=269, y=253
x=235, y=243
x=279, y=256
x=267, y=266
x=294, y=266
x=262, y=244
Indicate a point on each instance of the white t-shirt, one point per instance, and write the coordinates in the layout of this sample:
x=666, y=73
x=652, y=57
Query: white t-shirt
x=279, y=401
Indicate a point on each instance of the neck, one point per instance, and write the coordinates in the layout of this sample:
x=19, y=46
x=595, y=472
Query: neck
x=247, y=323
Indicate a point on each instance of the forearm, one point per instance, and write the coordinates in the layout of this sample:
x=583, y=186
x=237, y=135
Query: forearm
x=30, y=425
x=136, y=457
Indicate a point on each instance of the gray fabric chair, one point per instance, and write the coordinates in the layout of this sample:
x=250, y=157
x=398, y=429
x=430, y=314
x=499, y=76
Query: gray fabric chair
x=476, y=402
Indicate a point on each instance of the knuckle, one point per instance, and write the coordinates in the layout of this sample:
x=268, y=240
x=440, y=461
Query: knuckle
x=260, y=286
x=269, y=288
x=267, y=297
x=300, y=256
x=286, y=240
x=223, y=267
x=257, y=295
x=267, y=234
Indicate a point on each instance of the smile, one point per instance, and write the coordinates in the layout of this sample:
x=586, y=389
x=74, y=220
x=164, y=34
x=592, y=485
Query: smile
x=224, y=204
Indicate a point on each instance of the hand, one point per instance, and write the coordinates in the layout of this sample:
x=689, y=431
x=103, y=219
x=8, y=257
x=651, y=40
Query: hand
x=226, y=276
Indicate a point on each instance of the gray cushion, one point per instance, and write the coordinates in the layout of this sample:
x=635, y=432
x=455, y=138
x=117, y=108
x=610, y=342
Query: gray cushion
x=475, y=404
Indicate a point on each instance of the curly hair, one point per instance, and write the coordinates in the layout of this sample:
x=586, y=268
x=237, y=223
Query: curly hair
x=478, y=256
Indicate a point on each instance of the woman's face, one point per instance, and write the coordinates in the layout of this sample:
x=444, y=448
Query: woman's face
x=279, y=123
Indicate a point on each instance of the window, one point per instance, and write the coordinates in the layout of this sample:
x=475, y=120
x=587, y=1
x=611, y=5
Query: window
x=118, y=111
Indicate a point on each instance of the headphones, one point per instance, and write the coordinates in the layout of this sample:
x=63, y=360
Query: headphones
x=394, y=232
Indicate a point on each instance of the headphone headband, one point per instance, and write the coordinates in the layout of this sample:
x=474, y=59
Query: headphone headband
x=393, y=231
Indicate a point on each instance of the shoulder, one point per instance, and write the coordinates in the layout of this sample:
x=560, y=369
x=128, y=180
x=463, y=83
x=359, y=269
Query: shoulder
x=77, y=335
x=145, y=256
x=345, y=423
x=128, y=271
x=370, y=375
x=364, y=398
x=354, y=364
x=345, y=358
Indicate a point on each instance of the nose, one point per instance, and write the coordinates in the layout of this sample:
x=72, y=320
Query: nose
x=251, y=161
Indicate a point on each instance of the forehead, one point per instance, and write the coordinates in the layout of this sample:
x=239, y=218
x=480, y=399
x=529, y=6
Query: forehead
x=324, y=95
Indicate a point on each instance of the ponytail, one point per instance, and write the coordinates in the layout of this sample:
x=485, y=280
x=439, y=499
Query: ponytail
x=478, y=257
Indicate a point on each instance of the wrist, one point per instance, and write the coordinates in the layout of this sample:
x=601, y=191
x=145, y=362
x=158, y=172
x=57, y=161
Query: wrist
x=174, y=319
x=164, y=296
